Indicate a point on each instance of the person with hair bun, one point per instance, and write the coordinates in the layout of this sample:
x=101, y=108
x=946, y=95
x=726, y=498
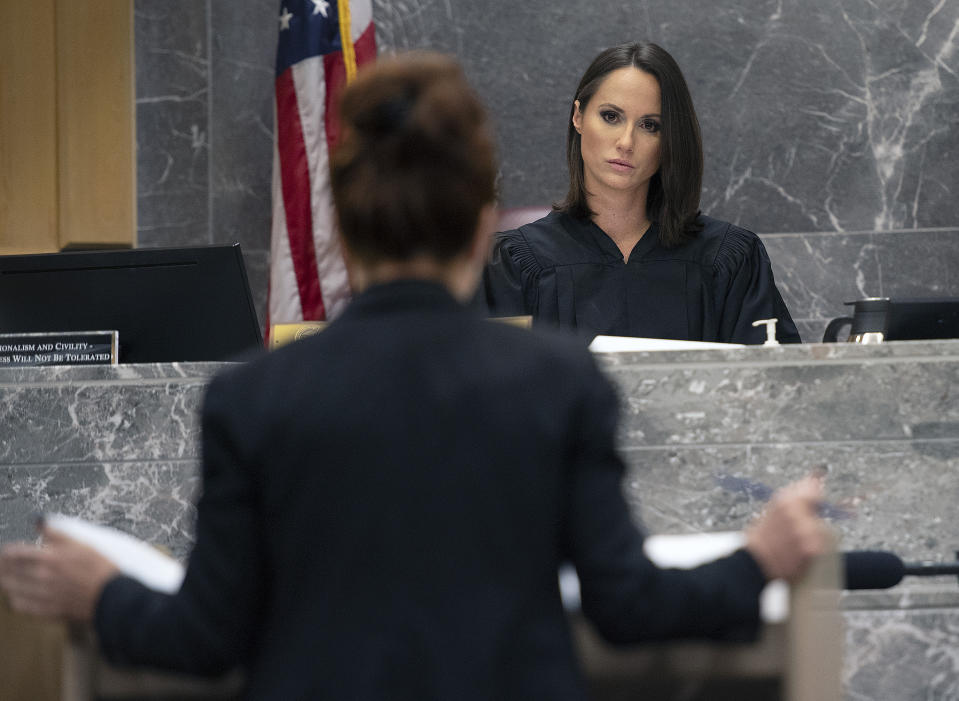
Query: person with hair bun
x=627, y=252
x=413, y=180
x=386, y=503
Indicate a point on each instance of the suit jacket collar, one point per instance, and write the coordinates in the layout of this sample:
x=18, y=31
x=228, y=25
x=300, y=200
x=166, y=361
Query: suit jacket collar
x=401, y=296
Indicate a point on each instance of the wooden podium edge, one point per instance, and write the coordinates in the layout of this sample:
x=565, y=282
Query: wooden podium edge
x=804, y=652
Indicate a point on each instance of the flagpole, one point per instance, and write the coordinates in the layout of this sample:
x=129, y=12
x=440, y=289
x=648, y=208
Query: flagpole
x=346, y=39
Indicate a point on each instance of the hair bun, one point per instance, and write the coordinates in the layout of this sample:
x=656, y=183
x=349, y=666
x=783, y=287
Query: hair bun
x=415, y=164
x=387, y=117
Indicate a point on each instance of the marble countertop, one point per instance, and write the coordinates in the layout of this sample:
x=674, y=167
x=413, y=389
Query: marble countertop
x=790, y=354
x=51, y=374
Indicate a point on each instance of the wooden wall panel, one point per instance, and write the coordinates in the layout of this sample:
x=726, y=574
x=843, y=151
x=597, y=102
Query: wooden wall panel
x=95, y=118
x=67, y=111
x=28, y=138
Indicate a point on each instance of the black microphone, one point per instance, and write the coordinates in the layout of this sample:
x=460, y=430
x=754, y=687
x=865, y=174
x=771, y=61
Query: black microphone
x=880, y=569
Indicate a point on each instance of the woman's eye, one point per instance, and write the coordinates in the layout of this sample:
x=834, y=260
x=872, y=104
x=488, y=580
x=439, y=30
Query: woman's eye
x=650, y=125
x=609, y=116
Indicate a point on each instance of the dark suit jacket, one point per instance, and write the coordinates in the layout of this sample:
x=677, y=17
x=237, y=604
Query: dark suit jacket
x=384, y=509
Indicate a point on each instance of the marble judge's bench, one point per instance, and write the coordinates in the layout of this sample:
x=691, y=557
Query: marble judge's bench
x=707, y=436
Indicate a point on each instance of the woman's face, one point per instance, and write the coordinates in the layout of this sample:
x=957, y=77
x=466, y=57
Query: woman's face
x=620, y=131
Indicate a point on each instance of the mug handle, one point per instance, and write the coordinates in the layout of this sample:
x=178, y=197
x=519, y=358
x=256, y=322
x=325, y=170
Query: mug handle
x=832, y=329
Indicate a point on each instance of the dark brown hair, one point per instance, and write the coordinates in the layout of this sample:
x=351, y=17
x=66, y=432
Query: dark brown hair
x=673, y=199
x=416, y=164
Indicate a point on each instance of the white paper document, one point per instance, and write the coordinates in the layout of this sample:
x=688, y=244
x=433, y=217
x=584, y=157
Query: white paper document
x=685, y=551
x=691, y=549
x=614, y=344
x=134, y=557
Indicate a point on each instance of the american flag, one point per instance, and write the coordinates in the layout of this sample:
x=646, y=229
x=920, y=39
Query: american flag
x=320, y=45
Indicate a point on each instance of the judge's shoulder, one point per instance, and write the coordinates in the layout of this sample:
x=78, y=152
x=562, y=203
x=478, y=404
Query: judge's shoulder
x=545, y=239
x=559, y=238
x=722, y=245
x=712, y=239
x=556, y=239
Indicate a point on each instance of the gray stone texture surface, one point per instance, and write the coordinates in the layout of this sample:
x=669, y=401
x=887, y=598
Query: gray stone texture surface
x=116, y=445
x=171, y=51
x=708, y=435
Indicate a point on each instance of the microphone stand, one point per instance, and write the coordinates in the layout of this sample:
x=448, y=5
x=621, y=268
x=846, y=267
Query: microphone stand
x=931, y=569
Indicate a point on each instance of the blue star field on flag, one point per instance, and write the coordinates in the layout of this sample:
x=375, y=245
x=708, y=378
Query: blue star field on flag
x=306, y=31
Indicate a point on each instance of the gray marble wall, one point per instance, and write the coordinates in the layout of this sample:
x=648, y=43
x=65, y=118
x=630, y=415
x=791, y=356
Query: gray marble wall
x=831, y=127
x=709, y=435
x=204, y=87
x=117, y=446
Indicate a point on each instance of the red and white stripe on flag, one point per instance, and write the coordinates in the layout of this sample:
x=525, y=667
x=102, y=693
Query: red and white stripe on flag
x=320, y=44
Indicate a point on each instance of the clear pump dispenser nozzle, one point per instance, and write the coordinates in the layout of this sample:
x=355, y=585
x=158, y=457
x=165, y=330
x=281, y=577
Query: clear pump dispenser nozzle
x=770, y=330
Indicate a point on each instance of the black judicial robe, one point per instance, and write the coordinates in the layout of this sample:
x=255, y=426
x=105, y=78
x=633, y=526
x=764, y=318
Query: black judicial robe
x=567, y=272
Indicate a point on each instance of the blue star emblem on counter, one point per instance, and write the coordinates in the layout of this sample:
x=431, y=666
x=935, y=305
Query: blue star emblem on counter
x=321, y=6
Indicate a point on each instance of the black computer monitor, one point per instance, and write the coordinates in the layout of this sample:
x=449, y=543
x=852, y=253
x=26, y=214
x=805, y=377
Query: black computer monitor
x=922, y=318
x=168, y=304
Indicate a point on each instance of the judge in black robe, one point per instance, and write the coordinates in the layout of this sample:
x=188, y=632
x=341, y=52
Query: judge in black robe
x=628, y=251
x=566, y=272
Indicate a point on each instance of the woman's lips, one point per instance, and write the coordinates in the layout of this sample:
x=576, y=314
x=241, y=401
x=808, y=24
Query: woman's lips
x=622, y=166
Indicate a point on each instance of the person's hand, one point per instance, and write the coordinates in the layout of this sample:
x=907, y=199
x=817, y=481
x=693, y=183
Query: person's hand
x=788, y=534
x=63, y=578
